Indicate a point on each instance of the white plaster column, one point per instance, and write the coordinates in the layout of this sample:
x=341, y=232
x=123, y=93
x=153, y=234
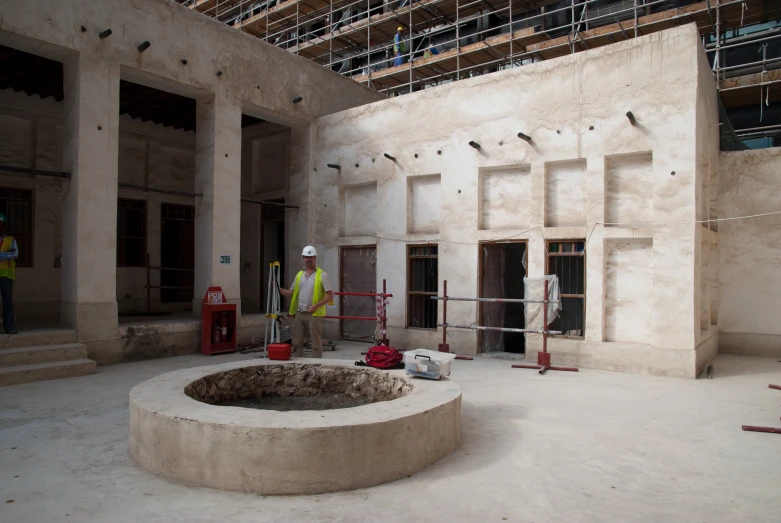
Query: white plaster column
x=218, y=211
x=89, y=203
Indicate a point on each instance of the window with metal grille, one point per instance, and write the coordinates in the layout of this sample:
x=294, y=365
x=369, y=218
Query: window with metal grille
x=567, y=260
x=421, y=285
x=17, y=205
x=131, y=233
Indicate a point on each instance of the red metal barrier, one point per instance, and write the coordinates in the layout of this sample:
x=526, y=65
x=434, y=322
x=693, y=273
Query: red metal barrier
x=543, y=358
x=771, y=430
x=381, y=320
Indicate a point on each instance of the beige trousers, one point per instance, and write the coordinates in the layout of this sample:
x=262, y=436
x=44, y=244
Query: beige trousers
x=305, y=325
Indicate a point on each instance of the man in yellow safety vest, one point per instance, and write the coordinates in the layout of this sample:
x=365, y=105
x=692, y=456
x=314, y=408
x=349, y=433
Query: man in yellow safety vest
x=8, y=255
x=309, y=293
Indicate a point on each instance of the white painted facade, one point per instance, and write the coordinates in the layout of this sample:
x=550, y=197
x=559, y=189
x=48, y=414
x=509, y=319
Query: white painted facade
x=749, y=255
x=587, y=174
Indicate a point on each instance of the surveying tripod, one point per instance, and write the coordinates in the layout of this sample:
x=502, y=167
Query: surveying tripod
x=273, y=307
x=275, y=333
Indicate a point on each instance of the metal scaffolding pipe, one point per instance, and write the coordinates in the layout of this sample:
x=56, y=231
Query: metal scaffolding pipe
x=494, y=300
x=270, y=204
x=34, y=172
x=501, y=329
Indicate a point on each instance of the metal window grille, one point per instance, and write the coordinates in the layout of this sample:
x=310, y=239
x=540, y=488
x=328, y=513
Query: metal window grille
x=567, y=260
x=422, y=275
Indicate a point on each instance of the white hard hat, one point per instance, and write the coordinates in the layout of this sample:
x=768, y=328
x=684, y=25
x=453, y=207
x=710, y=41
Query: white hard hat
x=309, y=251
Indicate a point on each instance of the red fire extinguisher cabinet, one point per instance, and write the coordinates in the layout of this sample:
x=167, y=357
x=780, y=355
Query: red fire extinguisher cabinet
x=218, y=323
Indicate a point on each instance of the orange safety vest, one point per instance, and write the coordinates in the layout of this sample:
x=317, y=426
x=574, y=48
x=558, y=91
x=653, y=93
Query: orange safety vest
x=7, y=267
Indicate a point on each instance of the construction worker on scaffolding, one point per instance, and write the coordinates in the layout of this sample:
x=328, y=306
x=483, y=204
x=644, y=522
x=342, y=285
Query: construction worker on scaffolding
x=398, y=47
x=310, y=292
x=430, y=50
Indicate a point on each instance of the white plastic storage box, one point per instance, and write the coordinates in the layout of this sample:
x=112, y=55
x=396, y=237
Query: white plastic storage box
x=428, y=363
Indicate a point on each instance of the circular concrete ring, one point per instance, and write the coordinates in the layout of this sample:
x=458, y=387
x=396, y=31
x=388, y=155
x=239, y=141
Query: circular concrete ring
x=297, y=452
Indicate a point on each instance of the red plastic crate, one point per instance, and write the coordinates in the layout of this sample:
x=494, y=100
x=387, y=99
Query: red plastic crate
x=279, y=351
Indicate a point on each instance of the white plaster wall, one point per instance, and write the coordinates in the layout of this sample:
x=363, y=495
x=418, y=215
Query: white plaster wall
x=358, y=216
x=133, y=159
x=423, y=203
x=628, y=290
x=629, y=189
x=17, y=146
x=656, y=77
x=750, y=253
x=565, y=193
x=270, y=162
x=505, y=197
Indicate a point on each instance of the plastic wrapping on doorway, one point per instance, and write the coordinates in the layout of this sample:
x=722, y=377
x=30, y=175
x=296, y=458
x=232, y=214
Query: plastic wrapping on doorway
x=535, y=290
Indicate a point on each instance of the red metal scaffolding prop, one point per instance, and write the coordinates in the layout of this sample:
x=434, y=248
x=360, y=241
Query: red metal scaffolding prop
x=771, y=430
x=380, y=318
x=444, y=347
x=543, y=358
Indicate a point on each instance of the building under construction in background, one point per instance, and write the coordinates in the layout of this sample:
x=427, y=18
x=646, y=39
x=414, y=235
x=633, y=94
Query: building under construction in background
x=448, y=40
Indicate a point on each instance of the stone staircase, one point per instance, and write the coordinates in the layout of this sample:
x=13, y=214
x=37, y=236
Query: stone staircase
x=42, y=355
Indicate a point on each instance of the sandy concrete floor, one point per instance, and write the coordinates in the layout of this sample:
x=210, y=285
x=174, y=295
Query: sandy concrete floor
x=589, y=446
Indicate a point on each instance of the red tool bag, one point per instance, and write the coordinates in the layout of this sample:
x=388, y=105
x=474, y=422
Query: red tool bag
x=383, y=357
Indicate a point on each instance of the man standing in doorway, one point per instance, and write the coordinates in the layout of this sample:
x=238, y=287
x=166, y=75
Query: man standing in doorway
x=310, y=292
x=8, y=255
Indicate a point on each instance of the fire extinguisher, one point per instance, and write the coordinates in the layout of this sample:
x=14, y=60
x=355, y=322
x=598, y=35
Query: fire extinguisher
x=216, y=333
x=224, y=326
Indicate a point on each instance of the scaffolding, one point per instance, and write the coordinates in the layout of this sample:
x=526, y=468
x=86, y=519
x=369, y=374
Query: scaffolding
x=448, y=40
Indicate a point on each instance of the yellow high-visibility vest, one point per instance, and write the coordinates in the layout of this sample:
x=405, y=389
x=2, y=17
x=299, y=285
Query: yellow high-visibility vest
x=7, y=267
x=317, y=295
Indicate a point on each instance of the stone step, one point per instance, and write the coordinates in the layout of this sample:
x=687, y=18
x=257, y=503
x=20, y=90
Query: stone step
x=44, y=354
x=37, y=338
x=46, y=371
